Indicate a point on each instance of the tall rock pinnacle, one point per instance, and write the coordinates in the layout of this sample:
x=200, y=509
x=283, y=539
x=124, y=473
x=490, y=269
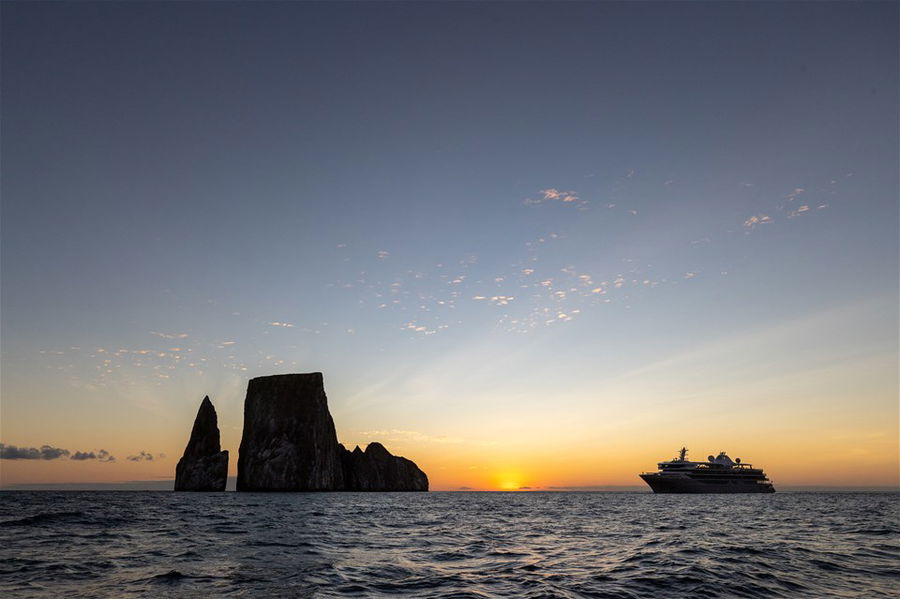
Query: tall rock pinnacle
x=289, y=442
x=204, y=467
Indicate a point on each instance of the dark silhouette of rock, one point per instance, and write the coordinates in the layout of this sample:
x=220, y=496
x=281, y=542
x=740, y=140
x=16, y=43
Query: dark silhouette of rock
x=375, y=469
x=203, y=467
x=289, y=443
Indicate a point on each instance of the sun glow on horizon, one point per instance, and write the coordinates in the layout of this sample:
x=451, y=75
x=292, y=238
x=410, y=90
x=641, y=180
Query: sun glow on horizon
x=507, y=479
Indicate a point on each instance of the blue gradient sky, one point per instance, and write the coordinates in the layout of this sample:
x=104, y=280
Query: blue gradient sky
x=526, y=242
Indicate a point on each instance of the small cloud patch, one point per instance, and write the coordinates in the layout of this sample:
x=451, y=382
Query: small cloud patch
x=756, y=220
x=141, y=457
x=170, y=335
x=100, y=456
x=554, y=195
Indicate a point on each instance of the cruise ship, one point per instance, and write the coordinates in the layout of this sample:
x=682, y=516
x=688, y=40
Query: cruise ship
x=718, y=474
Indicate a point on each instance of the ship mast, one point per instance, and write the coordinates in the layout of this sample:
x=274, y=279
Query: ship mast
x=682, y=454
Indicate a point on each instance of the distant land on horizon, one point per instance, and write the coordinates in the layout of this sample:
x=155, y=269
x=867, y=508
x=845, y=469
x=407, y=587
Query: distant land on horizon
x=166, y=485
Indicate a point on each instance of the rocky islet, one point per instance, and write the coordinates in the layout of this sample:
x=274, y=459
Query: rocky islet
x=289, y=443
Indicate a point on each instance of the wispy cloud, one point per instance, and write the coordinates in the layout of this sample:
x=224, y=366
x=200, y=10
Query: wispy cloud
x=798, y=211
x=795, y=193
x=417, y=327
x=757, y=219
x=789, y=204
x=170, y=335
x=554, y=195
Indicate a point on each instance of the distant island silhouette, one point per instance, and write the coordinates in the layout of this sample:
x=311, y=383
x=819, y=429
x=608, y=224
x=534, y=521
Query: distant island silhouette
x=289, y=444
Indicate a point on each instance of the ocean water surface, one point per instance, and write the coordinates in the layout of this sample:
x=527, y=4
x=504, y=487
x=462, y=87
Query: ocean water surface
x=448, y=545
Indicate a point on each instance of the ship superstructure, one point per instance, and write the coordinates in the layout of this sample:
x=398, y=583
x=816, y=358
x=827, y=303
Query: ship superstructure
x=718, y=474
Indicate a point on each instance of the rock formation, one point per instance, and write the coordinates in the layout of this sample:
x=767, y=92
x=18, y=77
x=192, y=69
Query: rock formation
x=375, y=469
x=289, y=444
x=203, y=467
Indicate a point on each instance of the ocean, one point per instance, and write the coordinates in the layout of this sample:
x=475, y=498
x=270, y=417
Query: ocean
x=448, y=545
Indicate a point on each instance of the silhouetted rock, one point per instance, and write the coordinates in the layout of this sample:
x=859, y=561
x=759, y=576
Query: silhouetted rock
x=203, y=467
x=375, y=469
x=289, y=443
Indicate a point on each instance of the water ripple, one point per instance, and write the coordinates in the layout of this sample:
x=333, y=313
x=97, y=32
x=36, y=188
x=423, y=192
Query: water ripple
x=448, y=545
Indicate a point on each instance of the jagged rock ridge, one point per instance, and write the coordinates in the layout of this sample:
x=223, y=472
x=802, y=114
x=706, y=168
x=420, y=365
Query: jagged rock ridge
x=289, y=444
x=203, y=467
x=375, y=469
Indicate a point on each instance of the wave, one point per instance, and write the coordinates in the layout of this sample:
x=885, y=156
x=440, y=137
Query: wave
x=43, y=518
x=447, y=546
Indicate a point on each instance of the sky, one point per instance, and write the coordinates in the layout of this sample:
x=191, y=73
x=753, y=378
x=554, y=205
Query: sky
x=530, y=245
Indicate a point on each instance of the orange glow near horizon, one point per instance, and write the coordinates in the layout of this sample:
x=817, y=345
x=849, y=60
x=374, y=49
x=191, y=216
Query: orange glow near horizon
x=855, y=456
x=872, y=469
x=802, y=432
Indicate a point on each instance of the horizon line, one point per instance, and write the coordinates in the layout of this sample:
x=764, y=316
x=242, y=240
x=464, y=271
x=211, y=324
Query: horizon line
x=168, y=485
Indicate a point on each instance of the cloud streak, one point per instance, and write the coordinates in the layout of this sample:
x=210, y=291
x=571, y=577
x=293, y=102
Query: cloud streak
x=45, y=452
x=48, y=452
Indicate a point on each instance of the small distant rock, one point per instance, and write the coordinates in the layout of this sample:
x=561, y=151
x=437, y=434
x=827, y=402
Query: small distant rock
x=203, y=467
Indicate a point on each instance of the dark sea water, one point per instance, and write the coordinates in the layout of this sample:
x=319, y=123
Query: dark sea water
x=448, y=545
